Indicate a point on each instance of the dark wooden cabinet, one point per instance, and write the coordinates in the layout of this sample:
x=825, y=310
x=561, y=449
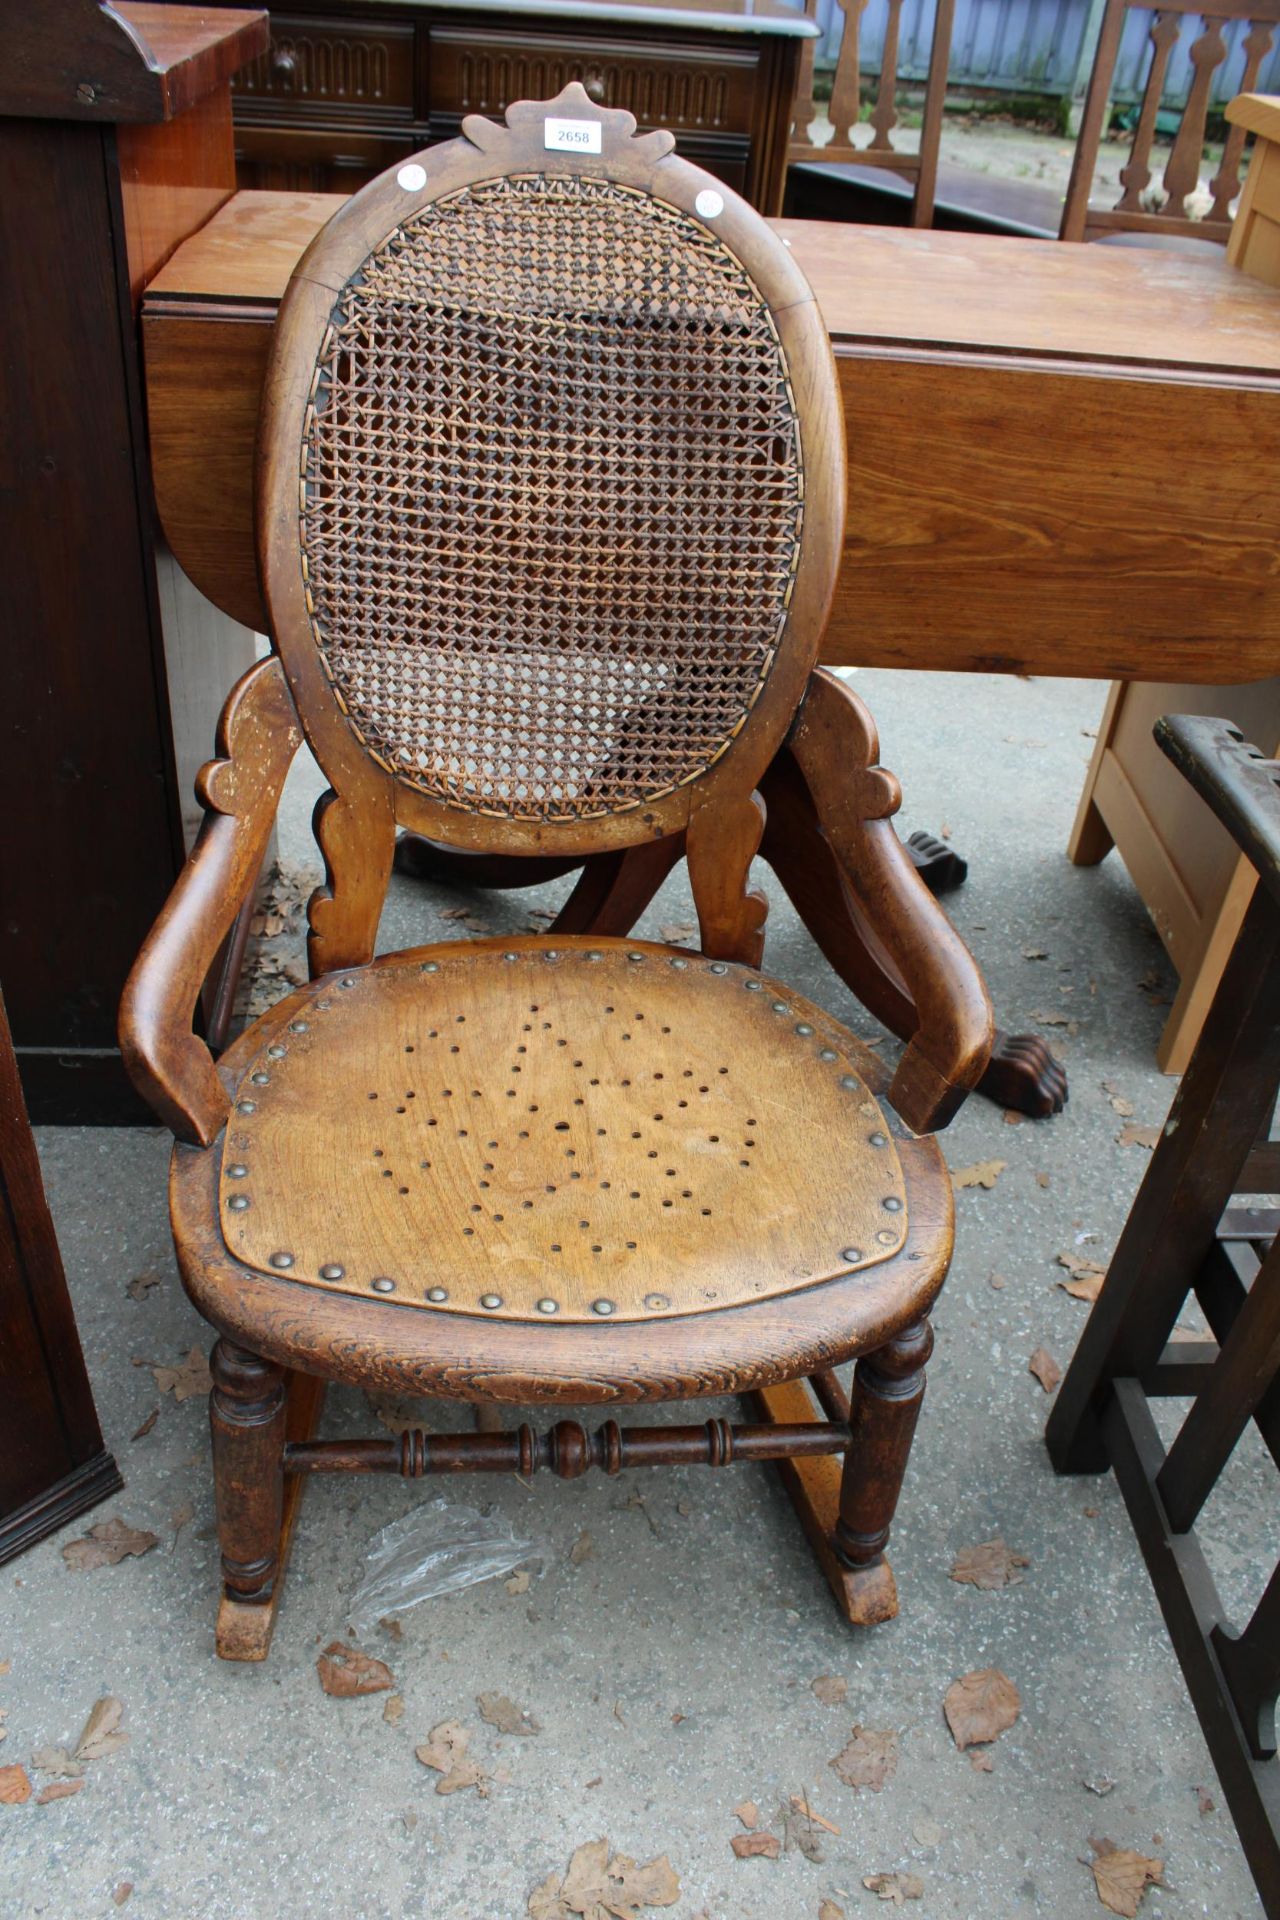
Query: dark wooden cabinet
x=52, y=1461
x=115, y=145
x=343, y=91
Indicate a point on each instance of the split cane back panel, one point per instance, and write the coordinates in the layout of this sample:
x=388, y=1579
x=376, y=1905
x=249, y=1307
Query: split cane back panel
x=586, y=1132
x=551, y=486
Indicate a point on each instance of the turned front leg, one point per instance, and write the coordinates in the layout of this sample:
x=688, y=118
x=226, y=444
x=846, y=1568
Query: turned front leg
x=247, y=1419
x=888, y=1386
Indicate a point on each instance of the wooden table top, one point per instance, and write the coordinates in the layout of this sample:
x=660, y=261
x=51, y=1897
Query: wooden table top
x=1062, y=458
x=890, y=285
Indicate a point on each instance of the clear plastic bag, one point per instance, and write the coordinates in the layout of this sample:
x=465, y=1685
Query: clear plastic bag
x=437, y=1548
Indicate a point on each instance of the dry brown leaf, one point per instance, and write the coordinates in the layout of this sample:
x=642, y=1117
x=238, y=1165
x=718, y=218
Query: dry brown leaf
x=1086, y=1279
x=981, y=1762
x=1045, y=1368
x=121, y=1893
x=830, y=1689
x=756, y=1846
x=869, y=1759
x=345, y=1672
x=989, y=1565
x=1122, y=1877
x=1048, y=1018
x=57, y=1761
x=397, y=1413
x=1118, y=1103
x=598, y=1888
x=677, y=930
x=1034, y=953
x=445, y=1750
x=391, y=1625
x=1012, y=1118
x=147, y=1424
x=749, y=1813
x=102, y=1734
x=393, y=1711
x=106, y=1544
x=897, y=1887
x=828, y=1910
x=983, y=1173
x=15, y=1786
x=187, y=1380
x=980, y=1706
x=58, y=1790
x=998, y=1281
x=582, y=1549
x=142, y=1283
x=505, y=1715
x=1132, y=1135
x=1042, y=1180
x=518, y=1583
x=1205, y=1802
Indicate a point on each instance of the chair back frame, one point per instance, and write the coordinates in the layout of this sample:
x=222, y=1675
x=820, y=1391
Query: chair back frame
x=1080, y=221
x=846, y=104
x=370, y=798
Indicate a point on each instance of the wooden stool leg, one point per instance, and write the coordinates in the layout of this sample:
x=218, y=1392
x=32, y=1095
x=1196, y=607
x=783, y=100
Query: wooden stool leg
x=247, y=1420
x=888, y=1387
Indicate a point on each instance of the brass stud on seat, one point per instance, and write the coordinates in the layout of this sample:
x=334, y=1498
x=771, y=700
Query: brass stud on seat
x=753, y=986
x=298, y=1026
x=511, y=956
x=848, y=1082
x=825, y=1053
x=348, y=982
x=277, y=1052
x=245, y=1106
x=877, y=1140
x=852, y=1254
x=679, y=965
x=428, y=966
x=237, y=1171
x=603, y=1307
x=885, y=1237
x=332, y=1271
x=595, y=954
x=780, y=1006
x=548, y=1306
x=282, y=1260
x=260, y=1079
x=238, y=1202
x=635, y=958
x=717, y=966
x=892, y=1204
x=804, y=1029
x=382, y=1284
x=437, y=1294
x=656, y=1302
x=491, y=1301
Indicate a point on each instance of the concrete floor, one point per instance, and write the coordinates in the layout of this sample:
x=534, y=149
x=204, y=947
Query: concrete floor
x=670, y=1669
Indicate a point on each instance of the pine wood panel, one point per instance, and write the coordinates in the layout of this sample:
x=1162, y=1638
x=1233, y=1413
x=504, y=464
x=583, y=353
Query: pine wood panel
x=1062, y=459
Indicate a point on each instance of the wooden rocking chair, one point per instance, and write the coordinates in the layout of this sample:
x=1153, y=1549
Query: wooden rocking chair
x=551, y=491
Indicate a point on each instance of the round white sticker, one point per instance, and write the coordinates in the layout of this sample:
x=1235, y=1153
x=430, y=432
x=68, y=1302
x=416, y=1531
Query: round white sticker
x=412, y=178
x=709, y=203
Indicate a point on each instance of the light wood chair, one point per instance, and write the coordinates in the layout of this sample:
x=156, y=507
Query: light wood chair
x=919, y=167
x=551, y=493
x=1171, y=223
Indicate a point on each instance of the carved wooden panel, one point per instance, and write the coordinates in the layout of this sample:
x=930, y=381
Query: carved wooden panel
x=362, y=66
x=482, y=70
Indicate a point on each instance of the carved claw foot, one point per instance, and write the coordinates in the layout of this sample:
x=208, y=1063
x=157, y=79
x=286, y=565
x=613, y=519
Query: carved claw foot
x=1024, y=1075
x=940, y=867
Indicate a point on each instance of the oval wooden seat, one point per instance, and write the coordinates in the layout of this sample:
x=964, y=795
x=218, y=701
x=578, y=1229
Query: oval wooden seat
x=564, y=1148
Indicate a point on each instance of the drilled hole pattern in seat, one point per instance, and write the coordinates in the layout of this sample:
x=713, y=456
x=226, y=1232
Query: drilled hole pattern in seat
x=568, y=1133
x=551, y=498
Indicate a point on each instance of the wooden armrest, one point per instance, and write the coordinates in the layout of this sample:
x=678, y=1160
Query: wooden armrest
x=258, y=735
x=834, y=743
x=1235, y=779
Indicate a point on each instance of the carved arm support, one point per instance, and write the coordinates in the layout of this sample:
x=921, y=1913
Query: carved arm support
x=834, y=743
x=171, y=1067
